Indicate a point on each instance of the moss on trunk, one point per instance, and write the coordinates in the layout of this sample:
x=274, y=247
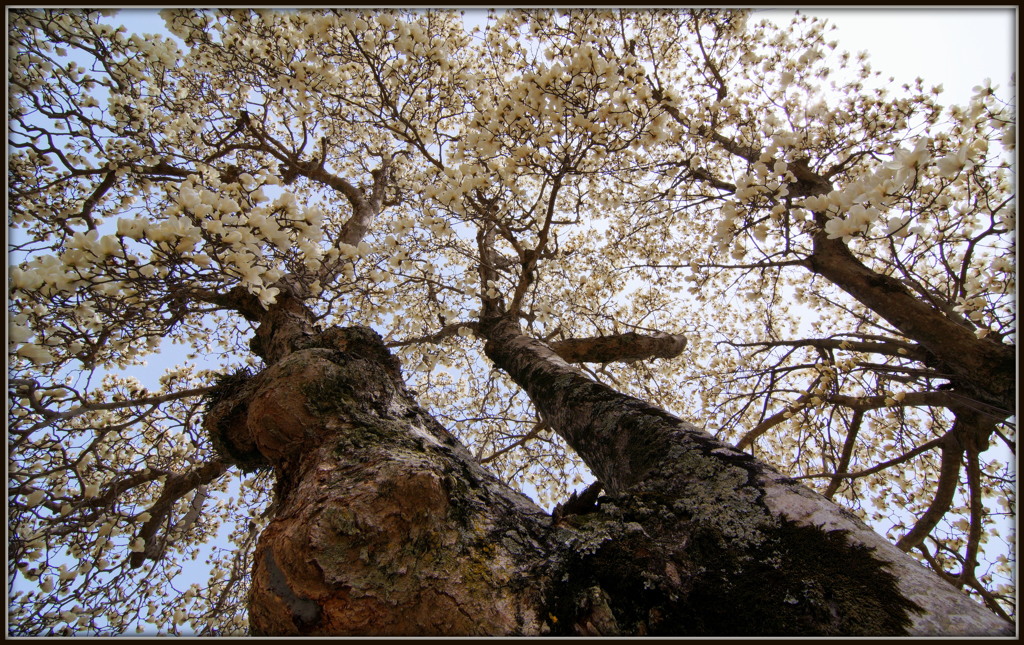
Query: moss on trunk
x=385, y=525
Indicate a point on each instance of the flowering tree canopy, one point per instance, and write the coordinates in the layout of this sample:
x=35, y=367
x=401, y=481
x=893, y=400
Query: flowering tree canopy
x=720, y=218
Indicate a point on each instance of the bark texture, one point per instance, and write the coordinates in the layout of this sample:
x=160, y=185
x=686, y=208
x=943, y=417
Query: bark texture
x=626, y=347
x=384, y=525
x=722, y=530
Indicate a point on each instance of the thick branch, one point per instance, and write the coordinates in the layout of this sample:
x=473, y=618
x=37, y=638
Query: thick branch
x=975, y=439
x=983, y=367
x=175, y=488
x=626, y=347
x=597, y=422
x=636, y=448
x=945, y=488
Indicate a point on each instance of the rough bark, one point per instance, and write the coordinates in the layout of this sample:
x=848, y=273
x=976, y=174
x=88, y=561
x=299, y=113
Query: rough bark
x=384, y=525
x=727, y=526
x=630, y=346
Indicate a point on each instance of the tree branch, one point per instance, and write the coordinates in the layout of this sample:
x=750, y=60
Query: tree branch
x=626, y=347
x=847, y=454
x=445, y=332
x=534, y=431
x=882, y=466
x=888, y=347
x=975, y=440
x=945, y=488
x=175, y=487
x=116, y=405
x=983, y=367
x=751, y=435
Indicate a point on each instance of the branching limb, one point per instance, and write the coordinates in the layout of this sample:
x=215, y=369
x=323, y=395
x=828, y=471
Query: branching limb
x=445, y=332
x=534, y=431
x=530, y=257
x=175, y=487
x=975, y=440
x=949, y=476
x=907, y=456
x=991, y=600
x=847, y=454
x=54, y=417
x=492, y=304
x=748, y=439
x=888, y=347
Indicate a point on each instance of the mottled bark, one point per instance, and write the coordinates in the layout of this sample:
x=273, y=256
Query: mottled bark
x=626, y=347
x=280, y=325
x=619, y=459
x=721, y=529
x=384, y=525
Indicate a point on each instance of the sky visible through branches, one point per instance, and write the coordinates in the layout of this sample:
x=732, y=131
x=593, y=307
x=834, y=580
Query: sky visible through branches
x=954, y=50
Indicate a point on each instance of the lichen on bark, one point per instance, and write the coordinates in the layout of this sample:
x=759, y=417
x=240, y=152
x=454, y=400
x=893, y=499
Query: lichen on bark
x=717, y=528
x=701, y=555
x=386, y=525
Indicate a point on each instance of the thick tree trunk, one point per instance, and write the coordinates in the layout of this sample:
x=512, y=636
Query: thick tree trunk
x=735, y=546
x=384, y=524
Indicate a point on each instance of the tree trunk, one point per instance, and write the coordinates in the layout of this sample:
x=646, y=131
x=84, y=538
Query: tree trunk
x=384, y=524
x=730, y=545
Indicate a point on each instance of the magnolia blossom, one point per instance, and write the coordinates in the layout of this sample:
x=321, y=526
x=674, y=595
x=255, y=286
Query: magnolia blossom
x=268, y=296
x=17, y=333
x=133, y=228
x=35, y=353
x=895, y=224
x=845, y=228
x=907, y=162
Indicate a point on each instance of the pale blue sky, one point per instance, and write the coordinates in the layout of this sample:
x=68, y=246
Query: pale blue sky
x=957, y=48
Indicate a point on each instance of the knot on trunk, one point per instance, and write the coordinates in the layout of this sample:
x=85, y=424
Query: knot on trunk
x=272, y=417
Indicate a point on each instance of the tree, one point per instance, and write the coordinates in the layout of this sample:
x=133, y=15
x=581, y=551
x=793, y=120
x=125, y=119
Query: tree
x=420, y=267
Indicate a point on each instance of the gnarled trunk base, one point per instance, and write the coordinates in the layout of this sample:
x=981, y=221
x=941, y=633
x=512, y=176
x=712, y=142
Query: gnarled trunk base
x=385, y=525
